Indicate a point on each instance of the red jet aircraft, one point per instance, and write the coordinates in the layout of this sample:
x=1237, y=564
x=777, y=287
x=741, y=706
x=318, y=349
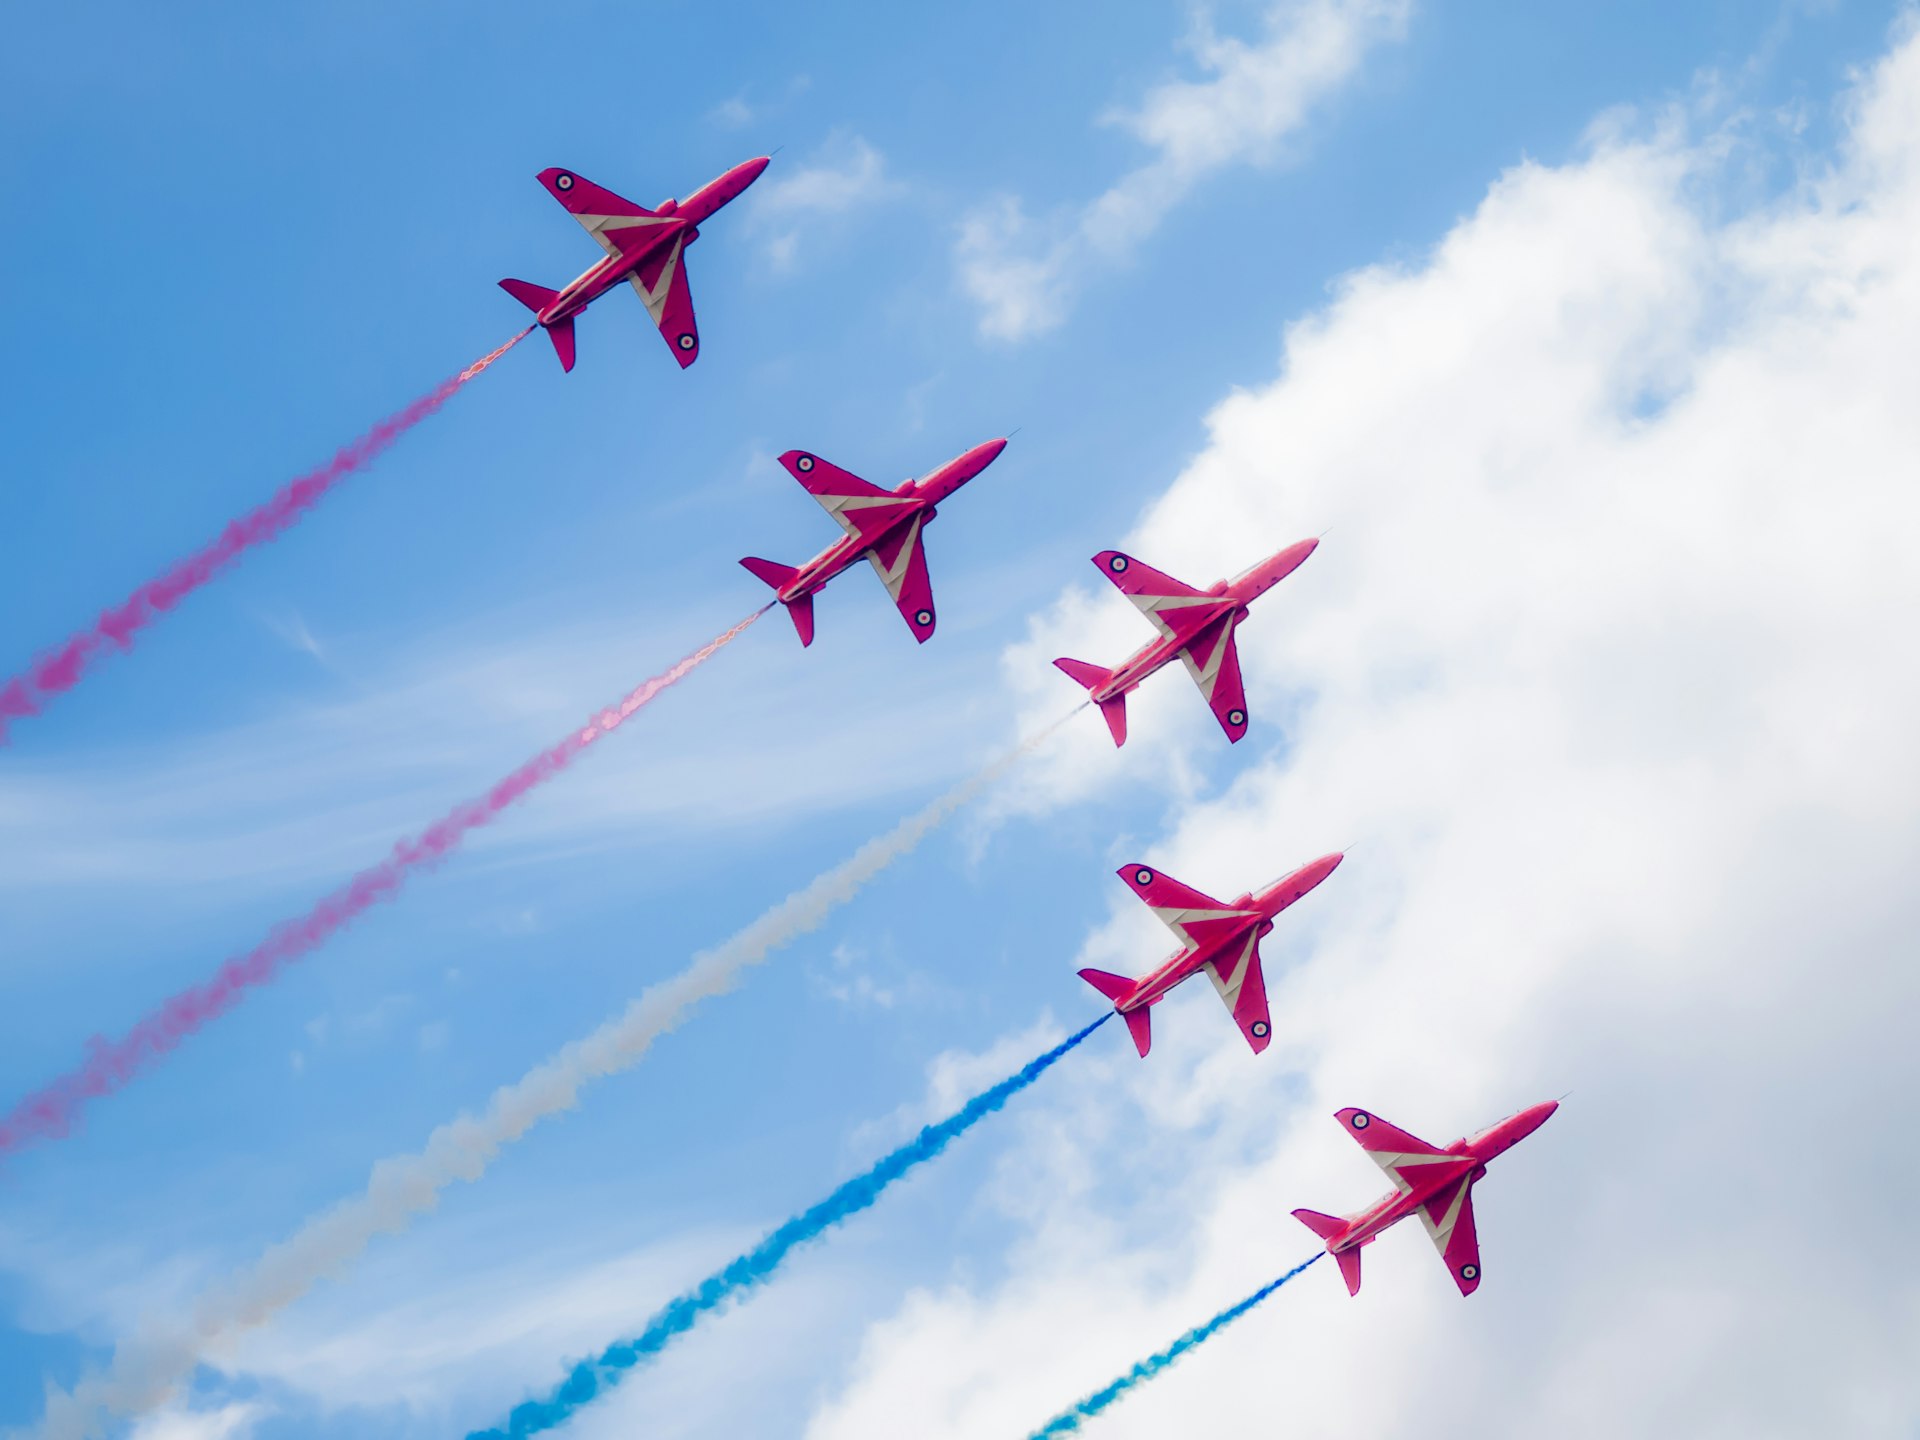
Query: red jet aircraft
x=1223, y=940
x=1437, y=1185
x=1195, y=625
x=883, y=527
x=643, y=249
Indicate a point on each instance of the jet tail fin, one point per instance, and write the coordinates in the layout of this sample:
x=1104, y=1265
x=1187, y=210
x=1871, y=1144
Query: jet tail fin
x=1326, y=1227
x=1113, y=711
x=536, y=298
x=1139, y=1022
x=800, y=610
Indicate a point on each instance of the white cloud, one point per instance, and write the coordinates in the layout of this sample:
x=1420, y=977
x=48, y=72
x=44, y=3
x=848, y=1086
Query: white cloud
x=227, y=1422
x=844, y=175
x=1253, y=97
x=1609, y=661
x=733, y=113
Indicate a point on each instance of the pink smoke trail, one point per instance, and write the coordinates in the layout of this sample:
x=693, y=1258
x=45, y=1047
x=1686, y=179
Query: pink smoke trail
x=50, y=1113
x=27, y=693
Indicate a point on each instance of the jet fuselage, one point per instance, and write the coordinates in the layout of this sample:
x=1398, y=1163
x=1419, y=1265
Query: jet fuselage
x=676, y=221
x=1475, y=1154
x=1234, y=596
x=926, y=494
x=1228, y=936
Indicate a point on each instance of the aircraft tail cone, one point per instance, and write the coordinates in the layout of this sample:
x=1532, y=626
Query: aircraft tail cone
x=1115, y=988
x=1113, y=711
x=779, y=576
x=537, y=298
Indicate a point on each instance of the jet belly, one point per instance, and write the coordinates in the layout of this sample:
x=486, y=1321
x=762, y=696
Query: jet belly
x=823, y=567
x=846, y=553
x=602, y=277
x=1183, y=967
x=1127, y=675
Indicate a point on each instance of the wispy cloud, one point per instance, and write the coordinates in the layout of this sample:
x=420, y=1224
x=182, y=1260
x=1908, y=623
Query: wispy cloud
x=1023, y=272
x=312, y=790
x=844, y=174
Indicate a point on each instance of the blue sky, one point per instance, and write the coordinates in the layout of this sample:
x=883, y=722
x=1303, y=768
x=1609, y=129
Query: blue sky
x=239, y=237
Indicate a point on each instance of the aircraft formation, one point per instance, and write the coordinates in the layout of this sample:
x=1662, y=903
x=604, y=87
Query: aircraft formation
x=645, y=249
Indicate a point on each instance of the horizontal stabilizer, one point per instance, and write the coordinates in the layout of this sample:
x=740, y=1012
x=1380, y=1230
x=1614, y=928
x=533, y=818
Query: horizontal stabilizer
x=1114, y=987
x=1082, y=672
x=801, y=613
x=799, y=610
x=562, y=337
x=1349, y=1263
x=1325, y=1226
x=769, y=572
x=1114, y=712
x=535, y=297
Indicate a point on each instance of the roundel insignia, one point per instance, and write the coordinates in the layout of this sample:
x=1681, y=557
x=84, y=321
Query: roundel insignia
x=805, y=462
x=923, y=617
x=1143, y=876
x=1236, y=717
x=1259, y=1029
x=1469, y=1272
x=1117, y=564
x=563, y=181
x=686, y=341
x=1361, y=1120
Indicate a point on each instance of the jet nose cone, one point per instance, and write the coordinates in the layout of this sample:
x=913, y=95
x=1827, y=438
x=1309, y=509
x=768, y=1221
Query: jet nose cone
x=749, y=171
x=1532, y=1118
x=988, y=453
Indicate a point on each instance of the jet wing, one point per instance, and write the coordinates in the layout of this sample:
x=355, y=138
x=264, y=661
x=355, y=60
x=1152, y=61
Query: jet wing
x=1408, y=1161
x=1192, y=916
x=661, y=283
x=1214, y=662
x=864, y=511
x=1172, y=605
x=616, y=225
x=1243, y=987
x=1449, y=1221
x=900, y=560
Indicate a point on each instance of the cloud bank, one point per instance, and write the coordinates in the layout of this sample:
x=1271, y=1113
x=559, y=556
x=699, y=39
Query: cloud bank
x=1607, y=664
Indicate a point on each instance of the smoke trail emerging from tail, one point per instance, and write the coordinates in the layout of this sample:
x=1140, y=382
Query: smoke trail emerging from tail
x=27, y=693
x=1067, y=1422
x=111, y=1063
x=592, y=1378
x=150, y=1364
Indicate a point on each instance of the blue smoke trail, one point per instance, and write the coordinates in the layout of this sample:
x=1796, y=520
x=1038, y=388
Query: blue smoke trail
x=1068, y=1421
x=592, y=1378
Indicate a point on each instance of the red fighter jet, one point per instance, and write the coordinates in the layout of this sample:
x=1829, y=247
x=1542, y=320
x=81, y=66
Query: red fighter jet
x=1437, y=1185
x=1222, y=940
x=644, y=249
x=1195, y=626
x=883, y=528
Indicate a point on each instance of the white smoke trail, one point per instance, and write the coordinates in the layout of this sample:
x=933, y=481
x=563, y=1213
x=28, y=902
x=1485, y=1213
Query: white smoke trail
x=149, y=1365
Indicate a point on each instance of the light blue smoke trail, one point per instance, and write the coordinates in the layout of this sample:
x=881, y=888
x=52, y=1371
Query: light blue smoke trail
x=592, y=1378
x=1068, y=1421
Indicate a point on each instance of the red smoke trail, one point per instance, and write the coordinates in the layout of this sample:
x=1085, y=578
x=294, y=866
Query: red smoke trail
x=54, y=674
x=50, y=1113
